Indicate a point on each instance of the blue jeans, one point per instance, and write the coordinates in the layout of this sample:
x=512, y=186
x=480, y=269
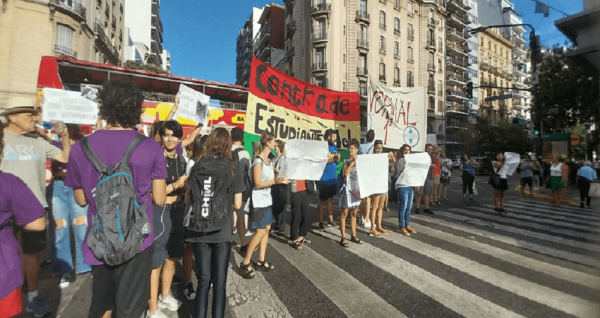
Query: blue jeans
x=65, y=208
x=405, y=198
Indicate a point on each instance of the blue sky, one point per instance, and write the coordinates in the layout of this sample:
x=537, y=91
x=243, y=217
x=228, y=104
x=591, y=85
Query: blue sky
x=201, y=34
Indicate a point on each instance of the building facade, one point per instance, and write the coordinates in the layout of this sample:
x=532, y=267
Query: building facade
x=245, y=47
x=339, y=44
x=495, y=64
x=89, y=30
x=269, y=42
x=144, y=34
x=458, y=59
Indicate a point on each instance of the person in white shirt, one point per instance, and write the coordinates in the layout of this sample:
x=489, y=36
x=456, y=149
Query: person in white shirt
x=446, y=164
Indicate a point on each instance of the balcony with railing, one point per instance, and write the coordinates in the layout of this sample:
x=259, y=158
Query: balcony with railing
x=381, y=48
x=382, y=78
x=455, y=64
x=263, y=36
x=363, y=16
x=397, y=55
x=455, y=48
x=484, y=65
x=362, y=43
x=431, y=67
x=291, y=28
x=457, y=5
x=318, y=8
x=457, y=20
x=397, y=82
x=455, y=79
x=396, y=31
x=70, y=7
x=410, y=60
x=319, y=36
x=65, y=50
x=362, y=71
x=430, y=45
x=455, y=35
x=431, y=87
x=452, y=93
x=319, y=67
x=107, y=44
x=456, y=108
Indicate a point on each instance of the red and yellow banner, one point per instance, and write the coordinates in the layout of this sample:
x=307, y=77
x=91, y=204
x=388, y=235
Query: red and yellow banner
x=293, y=109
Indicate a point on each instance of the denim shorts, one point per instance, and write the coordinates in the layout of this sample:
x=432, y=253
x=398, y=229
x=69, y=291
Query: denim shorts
x=257, y=221
x=168, y=233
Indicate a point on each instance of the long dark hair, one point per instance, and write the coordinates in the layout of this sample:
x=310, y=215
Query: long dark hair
x=401, y=150
x=75, y=132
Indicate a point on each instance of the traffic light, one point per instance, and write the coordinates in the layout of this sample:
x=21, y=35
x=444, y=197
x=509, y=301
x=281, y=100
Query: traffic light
x=537, y=132
x=470, y=90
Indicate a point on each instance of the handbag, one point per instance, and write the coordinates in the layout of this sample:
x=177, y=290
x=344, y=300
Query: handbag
x=311, y=186
x=494, y=180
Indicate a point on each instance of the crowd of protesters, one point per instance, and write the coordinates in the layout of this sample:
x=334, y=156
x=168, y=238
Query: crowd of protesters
x=166, y=171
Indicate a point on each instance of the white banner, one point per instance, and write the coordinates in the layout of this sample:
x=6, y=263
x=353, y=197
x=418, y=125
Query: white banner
x=68, y=106
x=513, y=160
x=193, y=105
x=416, y=169
x=305, y=159
x=352, y=189
x=397, y=115
x=372, y=174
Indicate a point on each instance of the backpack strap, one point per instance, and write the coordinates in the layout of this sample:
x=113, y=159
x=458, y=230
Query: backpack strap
x=136, y=141
x=89, y=152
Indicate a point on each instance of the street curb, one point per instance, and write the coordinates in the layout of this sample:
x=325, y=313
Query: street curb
x=546, y=197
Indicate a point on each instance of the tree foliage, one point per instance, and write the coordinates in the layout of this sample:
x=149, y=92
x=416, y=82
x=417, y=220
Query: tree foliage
x=567, y=94
x=146, y=67
x=486, y=139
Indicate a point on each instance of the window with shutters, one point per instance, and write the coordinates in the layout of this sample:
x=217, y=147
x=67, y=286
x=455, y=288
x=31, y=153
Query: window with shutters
x=396, y=76
x=64, y=40
x=382, y=72
x=382, y=19
x=397, y=26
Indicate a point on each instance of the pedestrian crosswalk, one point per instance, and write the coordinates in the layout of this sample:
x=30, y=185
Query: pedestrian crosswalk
x=537, y=261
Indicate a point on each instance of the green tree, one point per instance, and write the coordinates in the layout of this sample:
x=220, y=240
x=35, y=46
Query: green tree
x=488, y=139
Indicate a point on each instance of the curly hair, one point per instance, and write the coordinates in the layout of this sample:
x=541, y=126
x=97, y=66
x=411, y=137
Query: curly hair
x=121, y=103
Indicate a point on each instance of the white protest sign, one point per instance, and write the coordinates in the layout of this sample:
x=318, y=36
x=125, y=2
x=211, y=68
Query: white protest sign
x=513, y=160
x=397, y=115
x=69, y=107
x=305, y=159
x=193, y=105
x=416, y=169
x=352, y=189
x=372, y=174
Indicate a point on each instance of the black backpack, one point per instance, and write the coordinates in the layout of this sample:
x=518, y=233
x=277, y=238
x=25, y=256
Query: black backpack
x=120, y=224
x=210, y=182
x=248, y=184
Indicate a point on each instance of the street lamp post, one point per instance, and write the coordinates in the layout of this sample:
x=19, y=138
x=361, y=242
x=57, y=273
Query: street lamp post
x=533, y=43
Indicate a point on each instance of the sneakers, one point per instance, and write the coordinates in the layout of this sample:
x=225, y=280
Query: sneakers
x=403, y=231
x=427, y=211
x=169, y=302
x=235, y=229
x=410, y=230
x=417, y=211
x=249, y=233
x=189, y=292
x=155, y=314
x=65, y=281
x=38, y=307
x=321, y=227
x=330, y=224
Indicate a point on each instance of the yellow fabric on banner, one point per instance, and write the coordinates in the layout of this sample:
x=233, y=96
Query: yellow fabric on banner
x=286, y=124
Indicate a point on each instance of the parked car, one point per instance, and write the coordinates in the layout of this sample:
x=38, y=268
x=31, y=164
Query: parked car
x=484, y=166
x=456, y=163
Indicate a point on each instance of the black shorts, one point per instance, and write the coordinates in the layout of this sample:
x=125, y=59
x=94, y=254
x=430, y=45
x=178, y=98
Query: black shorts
x=168, y=233
x=327, y=192
x=124, y=288
x=33, y=242
x=527, y=181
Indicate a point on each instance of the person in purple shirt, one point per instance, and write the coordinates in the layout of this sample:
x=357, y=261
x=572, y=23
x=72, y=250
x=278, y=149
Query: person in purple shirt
x=122, y=289
x=17, y=204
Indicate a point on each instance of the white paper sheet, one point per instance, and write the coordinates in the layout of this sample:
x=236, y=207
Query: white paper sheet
x=372, y=173
x=68, y=106
x=416, y=169
x=352, y=189
x=193, y=105
x=305, y=159
x=513, y=160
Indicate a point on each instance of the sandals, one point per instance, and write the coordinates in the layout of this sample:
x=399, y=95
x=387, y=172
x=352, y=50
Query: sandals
x=264, y=265
x=297, y=245
x=247, y=270
x=344, y=242
x=356, y=240
x=304, y=241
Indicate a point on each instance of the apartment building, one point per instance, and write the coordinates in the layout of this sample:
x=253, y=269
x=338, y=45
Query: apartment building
x=89, y=30
x=144, y=34
x=495, y=64
x=502, y=12
x=245, y=47
x=340, y=44
x=458, y=59
x=269, y=41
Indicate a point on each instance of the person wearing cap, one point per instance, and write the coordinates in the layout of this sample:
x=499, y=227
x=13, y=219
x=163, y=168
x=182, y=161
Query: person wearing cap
x=25, y=157
x=586, y=175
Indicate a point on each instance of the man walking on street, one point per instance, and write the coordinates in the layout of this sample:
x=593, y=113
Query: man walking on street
x=123, y=288
x=427, y=190
x=328, y=184
x=26, y=157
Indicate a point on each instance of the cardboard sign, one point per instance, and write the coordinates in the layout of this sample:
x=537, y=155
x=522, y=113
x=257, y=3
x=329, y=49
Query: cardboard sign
x=372, y=172
x=305, y=159
x=193, y=105
x=69, y=107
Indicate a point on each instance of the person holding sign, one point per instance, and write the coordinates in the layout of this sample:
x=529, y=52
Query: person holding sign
x=350, y=195
x=328, y=184
x=264, y=178
x=501, y=187
x=377, y=202
x=405, y=194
